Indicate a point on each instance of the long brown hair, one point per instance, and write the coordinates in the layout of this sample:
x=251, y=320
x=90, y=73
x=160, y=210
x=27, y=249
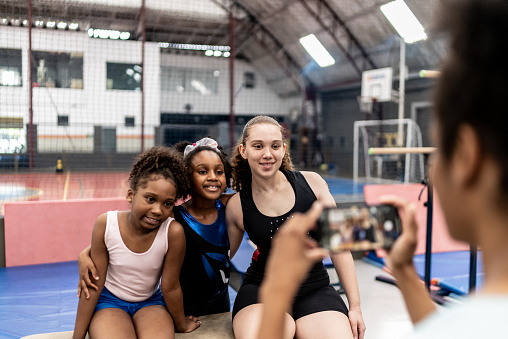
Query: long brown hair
x=242, y=175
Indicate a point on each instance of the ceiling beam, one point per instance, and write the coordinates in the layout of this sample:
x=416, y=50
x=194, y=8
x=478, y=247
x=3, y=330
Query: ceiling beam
x=266, y=40
x=325, y=11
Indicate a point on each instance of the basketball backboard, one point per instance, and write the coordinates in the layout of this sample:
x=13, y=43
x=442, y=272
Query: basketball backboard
x=377, y=84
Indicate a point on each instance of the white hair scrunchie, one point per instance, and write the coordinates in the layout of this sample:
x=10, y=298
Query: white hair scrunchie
x=203, y=142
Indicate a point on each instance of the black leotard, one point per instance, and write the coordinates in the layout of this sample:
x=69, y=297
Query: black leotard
x=315, y=293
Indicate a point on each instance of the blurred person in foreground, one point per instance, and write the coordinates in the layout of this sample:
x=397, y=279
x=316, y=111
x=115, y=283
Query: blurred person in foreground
x=469, y=172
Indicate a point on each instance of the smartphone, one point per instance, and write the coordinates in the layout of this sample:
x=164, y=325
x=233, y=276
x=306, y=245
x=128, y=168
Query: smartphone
x=358, y=227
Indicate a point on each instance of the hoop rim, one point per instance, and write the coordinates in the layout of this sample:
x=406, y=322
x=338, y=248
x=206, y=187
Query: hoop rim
x=366, y=103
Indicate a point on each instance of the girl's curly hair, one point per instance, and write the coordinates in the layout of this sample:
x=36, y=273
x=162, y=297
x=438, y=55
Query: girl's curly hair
x=242, y=175
x=180, y=147
x=160, y=161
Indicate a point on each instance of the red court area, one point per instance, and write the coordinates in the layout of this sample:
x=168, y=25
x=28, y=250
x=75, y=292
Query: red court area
x=61, y=186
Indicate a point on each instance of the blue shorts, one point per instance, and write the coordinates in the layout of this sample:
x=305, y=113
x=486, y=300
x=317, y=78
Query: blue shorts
x=109, y=300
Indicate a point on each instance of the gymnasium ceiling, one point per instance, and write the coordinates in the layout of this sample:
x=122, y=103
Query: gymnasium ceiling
x=267, y=32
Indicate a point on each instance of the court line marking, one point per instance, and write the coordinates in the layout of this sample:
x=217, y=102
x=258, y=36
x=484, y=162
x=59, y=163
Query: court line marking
x=66, y=186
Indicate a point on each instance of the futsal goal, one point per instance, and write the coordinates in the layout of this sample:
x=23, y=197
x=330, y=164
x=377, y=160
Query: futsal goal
x=381, y=167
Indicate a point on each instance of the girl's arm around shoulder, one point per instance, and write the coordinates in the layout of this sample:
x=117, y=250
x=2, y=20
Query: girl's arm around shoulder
x=170, y=282
x=100, y=257
x=234, y=220
x=320, y=188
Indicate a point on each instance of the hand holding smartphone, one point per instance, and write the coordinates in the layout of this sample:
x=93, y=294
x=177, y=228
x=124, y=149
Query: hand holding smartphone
x=358, y=227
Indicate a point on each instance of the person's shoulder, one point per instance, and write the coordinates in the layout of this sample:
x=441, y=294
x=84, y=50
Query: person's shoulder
x=102, y=220
x=224, y=198
x=466, y=319
x=313, y=178
x=311, y=174
x=100, y=226
x=175, y=229
x=234, y=199
x=103, y=217
x=234, y=208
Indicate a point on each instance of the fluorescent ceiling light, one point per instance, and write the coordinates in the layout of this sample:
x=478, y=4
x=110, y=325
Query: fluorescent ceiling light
x=317, y=51
x=200, y=87
x=404, y=21
x=125, y=35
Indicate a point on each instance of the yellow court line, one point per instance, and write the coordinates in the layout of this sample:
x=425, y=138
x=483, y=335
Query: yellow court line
x=66, y=187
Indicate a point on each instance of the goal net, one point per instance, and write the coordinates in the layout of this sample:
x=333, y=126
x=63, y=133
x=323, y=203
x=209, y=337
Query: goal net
x=381, y=168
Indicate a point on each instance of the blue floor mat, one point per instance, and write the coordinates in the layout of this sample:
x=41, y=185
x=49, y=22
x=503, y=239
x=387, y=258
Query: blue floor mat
x=451, y=269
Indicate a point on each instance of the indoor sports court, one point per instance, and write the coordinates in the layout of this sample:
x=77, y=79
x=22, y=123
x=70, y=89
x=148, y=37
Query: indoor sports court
x=87, y=85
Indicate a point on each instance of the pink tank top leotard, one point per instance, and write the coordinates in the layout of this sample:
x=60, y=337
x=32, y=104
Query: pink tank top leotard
x=131, y=276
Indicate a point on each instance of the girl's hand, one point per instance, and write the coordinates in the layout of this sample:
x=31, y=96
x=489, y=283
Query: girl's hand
x=86, y=269
x=191, y=323
x=357, y=323
x=401, y=254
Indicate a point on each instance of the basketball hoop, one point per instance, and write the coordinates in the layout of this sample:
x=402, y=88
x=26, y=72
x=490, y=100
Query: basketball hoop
x=366, y=104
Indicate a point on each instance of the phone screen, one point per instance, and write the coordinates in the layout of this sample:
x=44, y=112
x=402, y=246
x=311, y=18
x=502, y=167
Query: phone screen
x=358, y=227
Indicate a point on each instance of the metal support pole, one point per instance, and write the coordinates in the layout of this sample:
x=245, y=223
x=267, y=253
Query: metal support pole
x=30, y=89
x=143, y=25
x=473, y=259
x=428, y=241
x=232, y=81
x=402, y=88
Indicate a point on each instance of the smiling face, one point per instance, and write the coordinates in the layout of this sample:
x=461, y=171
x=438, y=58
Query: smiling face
x=264, y=149
x=208, y=176
x=152, y=203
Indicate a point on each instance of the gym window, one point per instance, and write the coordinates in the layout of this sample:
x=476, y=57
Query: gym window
x=62, y=120
x=124, y=77
x=57, y=69
x=194, y=80
x=10, y=67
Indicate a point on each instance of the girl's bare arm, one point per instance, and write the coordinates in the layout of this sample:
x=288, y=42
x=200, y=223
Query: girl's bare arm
x=100, y=257
x=170, y=282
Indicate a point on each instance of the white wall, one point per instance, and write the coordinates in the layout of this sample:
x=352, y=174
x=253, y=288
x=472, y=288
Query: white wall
x=94, y=105
x=258, y=100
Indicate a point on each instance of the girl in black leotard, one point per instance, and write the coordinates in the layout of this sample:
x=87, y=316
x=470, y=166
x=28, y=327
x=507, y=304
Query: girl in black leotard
x=269, y=192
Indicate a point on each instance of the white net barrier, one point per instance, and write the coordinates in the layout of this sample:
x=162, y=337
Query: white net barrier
x=383, y=168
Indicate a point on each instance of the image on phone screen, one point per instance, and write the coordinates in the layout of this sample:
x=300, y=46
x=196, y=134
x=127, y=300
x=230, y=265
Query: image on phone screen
x=359, y=227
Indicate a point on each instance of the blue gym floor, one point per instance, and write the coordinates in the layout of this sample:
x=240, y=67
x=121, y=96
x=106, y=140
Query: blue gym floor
x=451, y=269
